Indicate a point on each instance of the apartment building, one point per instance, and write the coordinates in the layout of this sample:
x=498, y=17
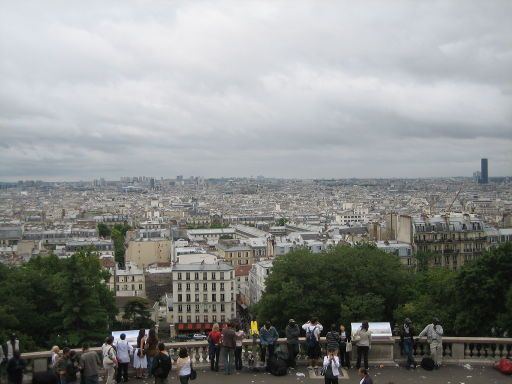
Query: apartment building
x=235, y=253
x=202, y=294
x=143, y=252
x=257, y=276
x=454, y=238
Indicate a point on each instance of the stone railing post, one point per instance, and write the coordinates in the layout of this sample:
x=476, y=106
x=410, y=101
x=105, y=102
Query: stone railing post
x=458, y=350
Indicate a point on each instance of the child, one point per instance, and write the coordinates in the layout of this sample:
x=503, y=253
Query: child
x=331, y=367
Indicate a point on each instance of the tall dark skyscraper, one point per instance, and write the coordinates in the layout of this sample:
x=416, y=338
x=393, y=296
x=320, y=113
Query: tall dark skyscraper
x=484, y=175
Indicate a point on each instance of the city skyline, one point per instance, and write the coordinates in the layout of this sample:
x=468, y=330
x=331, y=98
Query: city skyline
x=317, y=90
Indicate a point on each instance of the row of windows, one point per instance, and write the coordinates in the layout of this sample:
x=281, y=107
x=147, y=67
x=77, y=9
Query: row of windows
x=213, y=286
x=204, y=275
x=125, y=287
x=122, y=279
x=206, y=319
x=188, y=308
x=188, y=297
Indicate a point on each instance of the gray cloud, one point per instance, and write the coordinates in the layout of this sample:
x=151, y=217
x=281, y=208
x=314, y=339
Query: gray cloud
x=280, y=88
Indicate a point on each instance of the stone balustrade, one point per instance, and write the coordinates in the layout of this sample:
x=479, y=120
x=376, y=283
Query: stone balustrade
x=456, y=350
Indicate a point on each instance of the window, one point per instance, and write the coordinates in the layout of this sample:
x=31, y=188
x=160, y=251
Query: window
x=197, y=307
x=222, y=275
x=189, y=319
x=188, y=308
x=222, y=297
x=188, y=297
x=232, y=297
x=214, y=286
x=205, y=297
x=179, y=287
x=222, y=318
x=205, y=318
x=180, y=298
x=205, y=286
x=222, y=307
x=196, y=276
x=214, y=318
x=221, y=286
x=214, y=307
x=213, y=275
x=196, y=286
x=180, y=308
x=196, y=297
x=197, y=319
x=205, y=275
x=180, y=319
x=188, y=287
x=179, y=275
x=214, y=297
x=133, y=287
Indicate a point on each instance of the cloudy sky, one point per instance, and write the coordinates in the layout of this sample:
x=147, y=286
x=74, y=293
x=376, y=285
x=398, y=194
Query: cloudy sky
x=238, y=88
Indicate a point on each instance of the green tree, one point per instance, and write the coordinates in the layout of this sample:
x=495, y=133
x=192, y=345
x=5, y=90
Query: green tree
x=328, y=285
x=103, y=230
x=57, y=299
x=281, y=222
x=137, y=313
x=432, y=295
x=484, y=286
x=118, y=235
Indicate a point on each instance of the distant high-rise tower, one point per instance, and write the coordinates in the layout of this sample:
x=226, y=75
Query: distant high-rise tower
x=484, y=175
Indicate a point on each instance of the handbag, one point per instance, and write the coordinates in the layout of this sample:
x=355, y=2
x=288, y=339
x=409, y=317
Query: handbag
x=327, y=371
x=193, y=372
x=348, y=346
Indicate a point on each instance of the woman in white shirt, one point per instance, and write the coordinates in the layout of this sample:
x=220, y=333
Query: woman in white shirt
x=183, y=366
x=331, y=368
x=363, y=337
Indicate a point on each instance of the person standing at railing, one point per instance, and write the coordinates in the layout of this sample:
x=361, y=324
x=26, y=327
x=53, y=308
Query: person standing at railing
x=268, y=338
x=239, y=338
x=89, y=363
x=363, y=338
x=434, y=333
x=228, y=342
x=109, y=360
x=345, y=347
x=151, y=348
x=214, y=347
x=407, y=342
x=124, y=351
x=313, y=329
x=292, y=339
x=15, y=367
x=140, y=362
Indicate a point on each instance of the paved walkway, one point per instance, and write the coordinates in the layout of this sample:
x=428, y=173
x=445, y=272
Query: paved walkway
x=386, y=375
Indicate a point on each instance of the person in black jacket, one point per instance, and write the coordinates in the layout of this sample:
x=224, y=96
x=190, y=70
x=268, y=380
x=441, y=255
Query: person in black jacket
x=292, y=339
x=407, y=342
x=15, y=367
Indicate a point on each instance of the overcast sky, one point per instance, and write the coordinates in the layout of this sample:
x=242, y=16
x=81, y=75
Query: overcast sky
x=239, y=88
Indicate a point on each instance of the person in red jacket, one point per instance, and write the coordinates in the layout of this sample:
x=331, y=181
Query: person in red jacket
x=214, y=347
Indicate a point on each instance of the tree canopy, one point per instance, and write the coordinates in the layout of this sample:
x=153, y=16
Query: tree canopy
x=50, y=300
x=348, y=284
x=342, y=285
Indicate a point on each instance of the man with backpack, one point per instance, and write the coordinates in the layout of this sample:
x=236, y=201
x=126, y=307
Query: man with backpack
x=162, y=365
x=313, y=329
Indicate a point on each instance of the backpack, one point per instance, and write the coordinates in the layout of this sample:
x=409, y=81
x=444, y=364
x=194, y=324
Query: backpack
x=504, y=366
x=163, y=366
x=427, y=364
x=311, y=340
x=277, y=366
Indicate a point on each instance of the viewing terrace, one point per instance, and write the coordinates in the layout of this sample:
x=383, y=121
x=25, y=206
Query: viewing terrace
x=465, y=360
